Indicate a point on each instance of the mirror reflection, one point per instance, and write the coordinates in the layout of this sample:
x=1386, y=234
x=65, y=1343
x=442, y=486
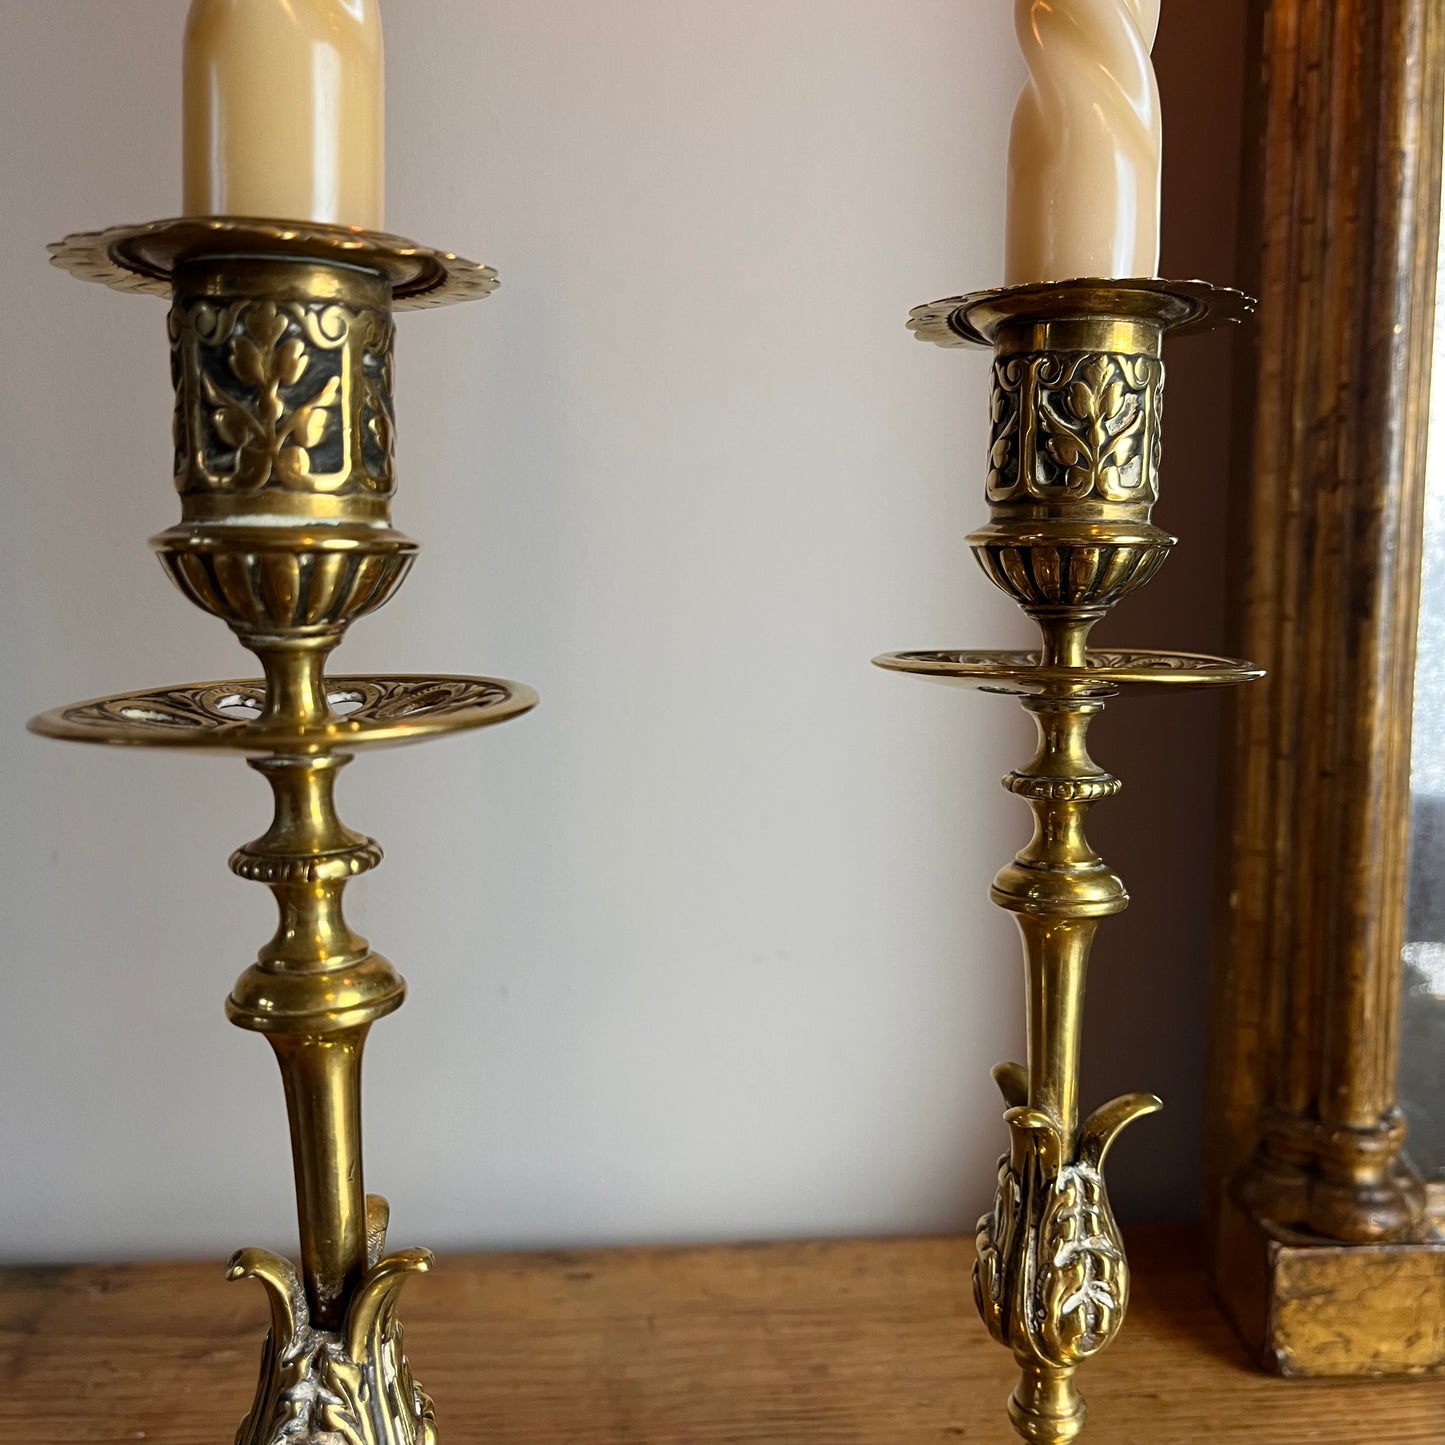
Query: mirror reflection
x=1422, y=1043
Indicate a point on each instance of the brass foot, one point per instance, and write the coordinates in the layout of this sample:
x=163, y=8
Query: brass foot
x=1051, y=1280
x=351, y=1386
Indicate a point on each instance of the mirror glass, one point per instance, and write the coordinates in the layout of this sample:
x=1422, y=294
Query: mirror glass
x=1422, y=1041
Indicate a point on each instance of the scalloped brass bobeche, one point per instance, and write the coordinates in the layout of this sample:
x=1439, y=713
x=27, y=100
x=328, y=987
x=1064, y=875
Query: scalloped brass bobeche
x=143, y=258
x=1073, y=476
x=282, y=356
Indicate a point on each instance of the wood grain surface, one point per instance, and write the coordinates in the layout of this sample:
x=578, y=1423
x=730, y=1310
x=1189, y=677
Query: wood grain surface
x=791, y=1344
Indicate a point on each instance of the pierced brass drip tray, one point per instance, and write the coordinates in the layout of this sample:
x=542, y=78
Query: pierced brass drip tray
x=224, y=716
x=1020, y=674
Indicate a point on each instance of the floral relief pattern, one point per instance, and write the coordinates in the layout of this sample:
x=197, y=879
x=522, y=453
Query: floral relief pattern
x=269, y=437
x=378, y=420
x=288, y=395
x=1069, y=426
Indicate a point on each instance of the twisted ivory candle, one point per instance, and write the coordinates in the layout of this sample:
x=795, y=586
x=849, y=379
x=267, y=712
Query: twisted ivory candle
x=1084, y=157
x=284, y=110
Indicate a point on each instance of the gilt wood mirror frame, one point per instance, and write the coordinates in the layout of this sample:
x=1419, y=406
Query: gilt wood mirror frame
x=1322, y=1242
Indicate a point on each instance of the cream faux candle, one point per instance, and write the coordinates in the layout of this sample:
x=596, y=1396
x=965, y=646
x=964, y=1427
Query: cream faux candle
x=284, y=110
x=1084, y=157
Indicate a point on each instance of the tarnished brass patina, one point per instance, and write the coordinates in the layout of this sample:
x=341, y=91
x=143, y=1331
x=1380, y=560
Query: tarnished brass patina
x=1073, y=477
x=281, y=352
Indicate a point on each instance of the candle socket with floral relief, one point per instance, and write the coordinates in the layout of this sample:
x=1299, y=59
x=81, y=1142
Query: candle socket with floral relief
x=281, y=352
x=1078, y=384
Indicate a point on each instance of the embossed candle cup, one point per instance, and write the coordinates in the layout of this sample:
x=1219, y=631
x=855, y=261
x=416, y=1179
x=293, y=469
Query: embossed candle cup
x=284, y=110
x=1086, y=146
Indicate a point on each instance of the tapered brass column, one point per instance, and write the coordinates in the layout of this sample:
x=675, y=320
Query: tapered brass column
x=281, y=353
x=292, y=995
x=1077, y=409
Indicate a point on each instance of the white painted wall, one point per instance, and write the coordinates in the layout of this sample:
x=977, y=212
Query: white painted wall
x=699, y=950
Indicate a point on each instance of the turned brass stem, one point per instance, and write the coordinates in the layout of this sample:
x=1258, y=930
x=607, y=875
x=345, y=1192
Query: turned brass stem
x=1057, y=960
x=295, y=670
x=322, y=1078
x=1058, y=888
x=1065, y=641
x=306, y=857
x=1046, y=1407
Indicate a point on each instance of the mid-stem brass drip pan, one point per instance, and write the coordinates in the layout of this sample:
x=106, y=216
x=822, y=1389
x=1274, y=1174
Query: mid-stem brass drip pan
x=1019, y=674
x=223, y=716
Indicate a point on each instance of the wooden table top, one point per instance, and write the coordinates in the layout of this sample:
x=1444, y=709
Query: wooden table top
x=853, y=1343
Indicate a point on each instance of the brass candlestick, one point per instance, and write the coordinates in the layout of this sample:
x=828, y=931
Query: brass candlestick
x=1078, y=385
x=281, y=352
